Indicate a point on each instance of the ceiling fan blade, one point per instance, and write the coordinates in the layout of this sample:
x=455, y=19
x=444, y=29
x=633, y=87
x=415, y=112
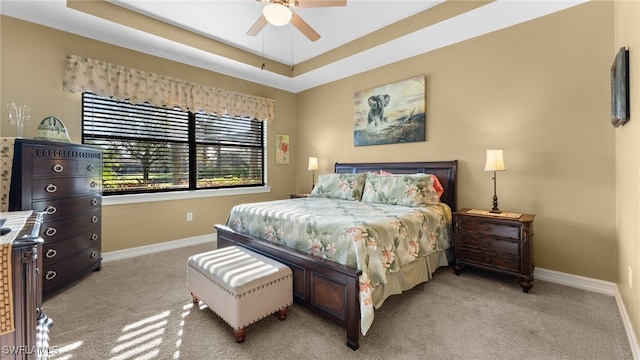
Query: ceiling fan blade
x=258, y=26
x=319, y=3
x=304, y=28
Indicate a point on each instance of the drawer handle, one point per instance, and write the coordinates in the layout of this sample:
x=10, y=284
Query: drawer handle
x=51, y=231
x=94, y=254
x=58, y=168
x=50, y=275
x=94, y=219
x=50, y=210
x=51, y=253
x=91, y=167
x=51, y=188
x=94, y=237
x=94, y=184
x=94, y=201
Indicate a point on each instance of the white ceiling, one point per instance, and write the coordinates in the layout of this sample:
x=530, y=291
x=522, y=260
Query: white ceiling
x=227, y=21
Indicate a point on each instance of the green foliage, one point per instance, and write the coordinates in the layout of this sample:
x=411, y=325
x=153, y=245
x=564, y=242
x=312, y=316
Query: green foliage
x=159, y=181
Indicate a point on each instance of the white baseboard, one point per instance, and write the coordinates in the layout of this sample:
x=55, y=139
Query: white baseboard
x=150, y=249
x=598, y=286
x=635, y=350
x=576, y=281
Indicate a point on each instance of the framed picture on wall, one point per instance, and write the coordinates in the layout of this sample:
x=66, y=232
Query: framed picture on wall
x=282, y=149
x=620, y=88
x=390, y=114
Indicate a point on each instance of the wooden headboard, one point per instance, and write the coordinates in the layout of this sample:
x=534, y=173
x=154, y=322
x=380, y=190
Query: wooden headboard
x=446, y=171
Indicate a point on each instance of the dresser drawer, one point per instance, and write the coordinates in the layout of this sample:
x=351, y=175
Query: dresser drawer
x=506, y=247
x=59, y=250
x=52, y=188
x=63, y=228
x=89, y=167
x=43, y=167
x=59, y=208
x=496, y=261
x=71, y=269
x=505, y=230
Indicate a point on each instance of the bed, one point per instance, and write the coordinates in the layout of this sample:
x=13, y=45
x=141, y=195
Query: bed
x=341, y=283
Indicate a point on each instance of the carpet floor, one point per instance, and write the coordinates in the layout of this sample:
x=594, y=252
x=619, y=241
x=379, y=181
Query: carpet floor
x=139, y=308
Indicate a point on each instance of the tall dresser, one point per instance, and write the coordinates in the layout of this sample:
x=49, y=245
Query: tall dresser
x=65, y=182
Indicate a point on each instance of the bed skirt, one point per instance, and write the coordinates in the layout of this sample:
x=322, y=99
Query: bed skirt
x=410, y=275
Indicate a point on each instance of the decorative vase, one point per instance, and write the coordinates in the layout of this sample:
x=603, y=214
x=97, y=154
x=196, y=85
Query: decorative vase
x=19, y=116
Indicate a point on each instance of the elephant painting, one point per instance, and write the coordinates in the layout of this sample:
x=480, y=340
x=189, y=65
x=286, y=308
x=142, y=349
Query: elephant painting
x=390, y=114
x=377, y=103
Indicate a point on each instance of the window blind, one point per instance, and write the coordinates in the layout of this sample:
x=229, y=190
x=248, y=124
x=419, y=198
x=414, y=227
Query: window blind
x=149, y=148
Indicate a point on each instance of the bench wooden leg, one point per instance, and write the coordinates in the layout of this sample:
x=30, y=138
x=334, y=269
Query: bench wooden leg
x=282, y=313
x=239, y=335
x=195, y=298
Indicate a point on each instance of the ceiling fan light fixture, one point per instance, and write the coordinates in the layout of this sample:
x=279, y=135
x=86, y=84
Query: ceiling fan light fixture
x=277, y=14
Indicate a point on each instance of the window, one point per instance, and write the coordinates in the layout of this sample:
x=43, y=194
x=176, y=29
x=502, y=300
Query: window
x=151, y=149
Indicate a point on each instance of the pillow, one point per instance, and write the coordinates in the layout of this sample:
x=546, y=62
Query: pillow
x=436, y=183
x=339, y=186
x=406, y=190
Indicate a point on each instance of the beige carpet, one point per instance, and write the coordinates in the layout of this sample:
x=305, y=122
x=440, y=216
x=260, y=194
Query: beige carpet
x=139, y=308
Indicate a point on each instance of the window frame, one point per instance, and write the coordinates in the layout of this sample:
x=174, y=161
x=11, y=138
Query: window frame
x=192, y=191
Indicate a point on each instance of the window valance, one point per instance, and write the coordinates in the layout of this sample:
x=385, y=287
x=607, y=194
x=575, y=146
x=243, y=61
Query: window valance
x=103, y=78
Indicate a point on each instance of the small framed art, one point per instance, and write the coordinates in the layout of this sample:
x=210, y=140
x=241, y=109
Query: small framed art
x=282, y=149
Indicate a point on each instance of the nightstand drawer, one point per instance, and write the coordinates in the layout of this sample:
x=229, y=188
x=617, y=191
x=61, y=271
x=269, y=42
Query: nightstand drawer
x=490, y=228
x=500, y=262
x=506, y=247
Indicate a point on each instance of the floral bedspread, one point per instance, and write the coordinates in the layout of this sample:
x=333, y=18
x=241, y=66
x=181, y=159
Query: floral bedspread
x=375, y=238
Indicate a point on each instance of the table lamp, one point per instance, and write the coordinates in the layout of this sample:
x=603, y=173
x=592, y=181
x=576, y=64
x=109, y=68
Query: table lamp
x=495, y=162
x=313, y=166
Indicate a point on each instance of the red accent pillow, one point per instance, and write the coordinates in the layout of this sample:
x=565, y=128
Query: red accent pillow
x=438, y=186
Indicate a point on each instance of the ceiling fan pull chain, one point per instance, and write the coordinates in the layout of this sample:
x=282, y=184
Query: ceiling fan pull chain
x=263, y=61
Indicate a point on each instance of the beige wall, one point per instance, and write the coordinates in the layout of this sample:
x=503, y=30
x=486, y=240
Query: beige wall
x=540, y=91
x=627, y=34
x=32, y=61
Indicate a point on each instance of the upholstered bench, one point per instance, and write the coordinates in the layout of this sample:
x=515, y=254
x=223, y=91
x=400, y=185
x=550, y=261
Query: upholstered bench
x=240, y=286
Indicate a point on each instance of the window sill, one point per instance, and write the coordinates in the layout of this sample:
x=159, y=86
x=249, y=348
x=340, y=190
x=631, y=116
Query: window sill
x=180, y=195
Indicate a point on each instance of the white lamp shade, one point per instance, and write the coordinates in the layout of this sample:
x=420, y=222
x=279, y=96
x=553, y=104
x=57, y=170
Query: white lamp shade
x=277, y=14
x=495, y=161
x=313, y=163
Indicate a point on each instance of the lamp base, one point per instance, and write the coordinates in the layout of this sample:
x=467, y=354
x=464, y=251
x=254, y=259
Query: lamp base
x=494, y=209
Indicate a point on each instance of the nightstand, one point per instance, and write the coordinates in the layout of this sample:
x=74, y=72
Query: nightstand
x=297, y=196
x=500, y=242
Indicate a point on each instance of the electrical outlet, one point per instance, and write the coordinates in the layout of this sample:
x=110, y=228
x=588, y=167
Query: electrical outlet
x=189, y=216
x=630, y=277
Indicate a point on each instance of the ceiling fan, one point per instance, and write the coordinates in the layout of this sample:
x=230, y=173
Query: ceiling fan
x=280, y=12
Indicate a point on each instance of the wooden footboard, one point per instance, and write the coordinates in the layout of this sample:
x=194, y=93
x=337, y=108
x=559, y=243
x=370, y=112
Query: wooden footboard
x=324, y=286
